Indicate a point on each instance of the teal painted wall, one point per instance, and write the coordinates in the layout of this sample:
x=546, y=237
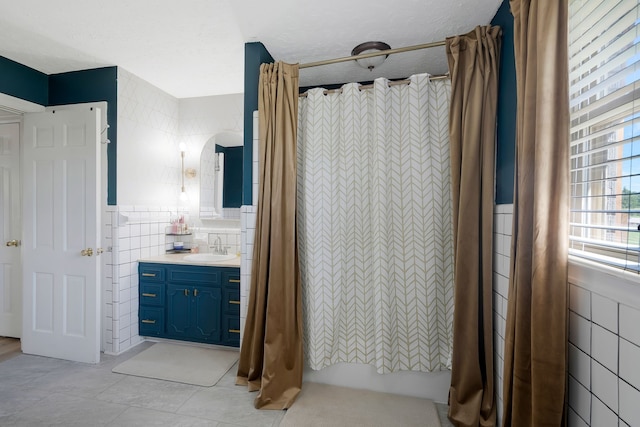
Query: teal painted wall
x=506, y=126
x=232, y=188
x=100, y=84
x=254, y=55
x=23, y=82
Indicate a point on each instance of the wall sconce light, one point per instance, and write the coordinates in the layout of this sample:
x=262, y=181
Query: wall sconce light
x=370, y=47
x=183, y=193
x=190, y=173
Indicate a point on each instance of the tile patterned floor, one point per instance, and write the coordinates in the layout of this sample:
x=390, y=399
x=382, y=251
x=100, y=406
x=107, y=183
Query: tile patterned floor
x=38, y=391
x=443, y=408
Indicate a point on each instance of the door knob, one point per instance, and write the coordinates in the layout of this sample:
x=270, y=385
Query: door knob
x=99, y=251
x=86, y=252
x=15, y=243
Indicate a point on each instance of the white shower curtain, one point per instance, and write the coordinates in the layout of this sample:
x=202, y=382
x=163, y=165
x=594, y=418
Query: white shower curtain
x=375, y=226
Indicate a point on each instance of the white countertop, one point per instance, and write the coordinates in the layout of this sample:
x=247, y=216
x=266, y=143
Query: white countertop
x=179, y=259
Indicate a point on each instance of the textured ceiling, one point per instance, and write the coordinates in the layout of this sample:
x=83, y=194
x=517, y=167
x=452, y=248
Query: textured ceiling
x=194, y=48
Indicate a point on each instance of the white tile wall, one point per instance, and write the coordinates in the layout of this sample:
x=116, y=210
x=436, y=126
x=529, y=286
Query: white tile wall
x=629, y=323
x=580, y=301
x=580, y=366
x=629, y=362
x=230, y=237
x=601, y=415
x=579, y=399
x=256, y=143
x=575, y=420
x=604, y=370
x=148, y=175
x=604, y=344
x=604, y=312
x=629, y=404
x=580, y=332
x=136, y=232
x=503, y=218
x=248, y=215
x=604, y=385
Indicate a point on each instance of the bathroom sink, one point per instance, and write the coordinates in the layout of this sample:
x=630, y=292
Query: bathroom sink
x=208, y=257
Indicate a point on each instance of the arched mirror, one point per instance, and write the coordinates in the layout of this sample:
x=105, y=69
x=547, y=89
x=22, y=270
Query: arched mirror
x=221, y=174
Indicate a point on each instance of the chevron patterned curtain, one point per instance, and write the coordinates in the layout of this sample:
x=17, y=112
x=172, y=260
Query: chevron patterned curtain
x=375, y=225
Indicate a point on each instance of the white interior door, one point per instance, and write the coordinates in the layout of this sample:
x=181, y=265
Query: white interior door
x=61, y=206
x=11, y=230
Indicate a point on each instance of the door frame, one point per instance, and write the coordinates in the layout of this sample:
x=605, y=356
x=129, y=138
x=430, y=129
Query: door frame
x=16, y=286
x=16, y=107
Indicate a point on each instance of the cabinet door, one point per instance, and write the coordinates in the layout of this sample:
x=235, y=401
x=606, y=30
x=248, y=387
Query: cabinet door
x=179, y=309
x=206, y=312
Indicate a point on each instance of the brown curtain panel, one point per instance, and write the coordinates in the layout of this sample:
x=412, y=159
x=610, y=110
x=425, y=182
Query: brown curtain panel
x=271, y=352
x=473, y=65
x=536, y=337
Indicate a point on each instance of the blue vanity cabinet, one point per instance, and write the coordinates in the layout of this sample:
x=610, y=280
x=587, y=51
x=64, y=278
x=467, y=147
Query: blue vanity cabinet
x=152, y=293
x=206, y=323
x=178, y=307
x=193, y=305
x=231, y=307
x=193, y=312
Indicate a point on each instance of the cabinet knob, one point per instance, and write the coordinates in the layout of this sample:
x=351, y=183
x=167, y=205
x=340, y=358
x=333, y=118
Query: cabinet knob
x=195, y=292
x=186, y=292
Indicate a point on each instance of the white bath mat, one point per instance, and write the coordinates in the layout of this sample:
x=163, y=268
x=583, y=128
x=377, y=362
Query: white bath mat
x=321, y=405
x=180, y=363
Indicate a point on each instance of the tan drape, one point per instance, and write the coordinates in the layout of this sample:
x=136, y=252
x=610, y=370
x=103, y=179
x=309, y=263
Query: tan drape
x=473, y=65
x=536, y=338
x=271, y=353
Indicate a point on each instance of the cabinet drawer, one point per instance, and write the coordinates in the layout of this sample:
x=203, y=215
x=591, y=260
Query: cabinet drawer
x=152, y=294
x=231, y=330
x=151, y=321
x=231, y=277
x=151, y=272
x=231, y=300
x=193, y=274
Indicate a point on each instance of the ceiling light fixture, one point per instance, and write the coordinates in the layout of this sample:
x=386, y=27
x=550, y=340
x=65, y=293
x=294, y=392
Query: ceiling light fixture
x=370, y=47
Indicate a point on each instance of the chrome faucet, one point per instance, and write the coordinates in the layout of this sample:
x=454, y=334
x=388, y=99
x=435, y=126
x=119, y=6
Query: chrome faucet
x=217, y=245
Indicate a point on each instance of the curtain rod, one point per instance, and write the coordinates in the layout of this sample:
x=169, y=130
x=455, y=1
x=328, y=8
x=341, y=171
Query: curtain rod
x=370, y=86
x=372, y=54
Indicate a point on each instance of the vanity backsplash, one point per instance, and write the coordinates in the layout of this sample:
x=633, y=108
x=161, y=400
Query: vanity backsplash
x=201, y=239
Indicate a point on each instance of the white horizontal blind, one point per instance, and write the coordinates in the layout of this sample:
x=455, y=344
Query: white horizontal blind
x=605, y=131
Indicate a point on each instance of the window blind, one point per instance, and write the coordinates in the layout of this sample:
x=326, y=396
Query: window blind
x=604, y=74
